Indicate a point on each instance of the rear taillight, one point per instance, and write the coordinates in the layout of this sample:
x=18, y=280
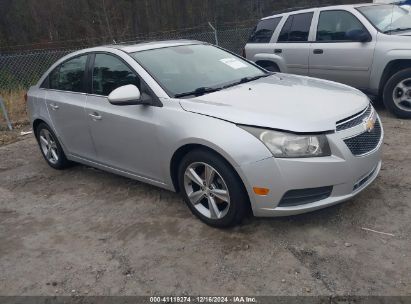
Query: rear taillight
x=25, y=97
x=243, y=53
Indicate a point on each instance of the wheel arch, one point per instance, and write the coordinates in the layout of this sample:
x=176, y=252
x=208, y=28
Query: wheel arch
x=390, y=69
x=36, y=123
x=39, y=120
x=184, y=150
x=271, y=59
x=267, y=63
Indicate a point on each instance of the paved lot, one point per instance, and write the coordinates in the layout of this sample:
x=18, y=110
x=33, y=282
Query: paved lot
x=84, y=231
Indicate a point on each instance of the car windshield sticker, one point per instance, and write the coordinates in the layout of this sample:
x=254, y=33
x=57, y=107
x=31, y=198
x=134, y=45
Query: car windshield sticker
x=233, y=63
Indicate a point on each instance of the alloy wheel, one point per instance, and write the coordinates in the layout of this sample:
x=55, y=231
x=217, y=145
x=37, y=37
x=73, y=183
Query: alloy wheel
x=207, y=190
x=48, y=146
x=402, y=95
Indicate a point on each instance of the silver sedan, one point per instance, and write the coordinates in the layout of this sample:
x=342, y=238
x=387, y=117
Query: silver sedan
x=191, y=117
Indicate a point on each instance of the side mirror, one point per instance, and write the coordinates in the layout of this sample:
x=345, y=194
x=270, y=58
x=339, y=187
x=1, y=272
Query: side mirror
x=359, y=36
x=126, y=95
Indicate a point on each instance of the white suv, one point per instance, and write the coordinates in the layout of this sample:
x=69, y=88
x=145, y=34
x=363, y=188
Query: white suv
x=367, y=46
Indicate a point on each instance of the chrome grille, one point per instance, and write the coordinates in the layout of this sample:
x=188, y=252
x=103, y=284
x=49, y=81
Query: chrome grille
x=365, y=142
x=354, y=120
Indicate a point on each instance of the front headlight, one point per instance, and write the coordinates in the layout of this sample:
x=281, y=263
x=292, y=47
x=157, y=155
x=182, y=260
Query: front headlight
x=288, y=145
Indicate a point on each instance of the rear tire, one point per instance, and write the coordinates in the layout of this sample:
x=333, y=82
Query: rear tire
x=50, y=147
x=397, y=94
x=212, y=189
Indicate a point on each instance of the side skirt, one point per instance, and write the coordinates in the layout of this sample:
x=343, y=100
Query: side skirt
x=100, y=166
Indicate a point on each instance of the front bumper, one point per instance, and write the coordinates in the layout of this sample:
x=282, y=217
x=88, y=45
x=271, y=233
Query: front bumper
x=347, y=174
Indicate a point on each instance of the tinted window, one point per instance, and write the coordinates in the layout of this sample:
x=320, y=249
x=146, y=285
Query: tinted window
x=263, y=32
x=110, y=73
x=286, y=30
x=297, y=28
x=337, y=26
x=69, y=76
x=53, y=79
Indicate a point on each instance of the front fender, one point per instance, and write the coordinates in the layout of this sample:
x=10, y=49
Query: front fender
x=382, y=60
x=235, y=145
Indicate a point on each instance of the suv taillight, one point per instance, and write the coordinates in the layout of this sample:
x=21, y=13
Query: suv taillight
x=25, y=97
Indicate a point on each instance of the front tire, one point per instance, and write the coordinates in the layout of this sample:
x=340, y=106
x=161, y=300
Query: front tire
x=397, y=94
x=271, y=68
x=50, y=147
x=212, y=189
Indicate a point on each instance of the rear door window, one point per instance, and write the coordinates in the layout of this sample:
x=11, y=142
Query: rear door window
x=264, y=30
x=296, y=28
x=69, y=76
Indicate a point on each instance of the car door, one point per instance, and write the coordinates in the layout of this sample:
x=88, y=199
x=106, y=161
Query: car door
x=335, y=55
x=259, y=40
x=125, y=137
x=65, y=98
x=293, y=42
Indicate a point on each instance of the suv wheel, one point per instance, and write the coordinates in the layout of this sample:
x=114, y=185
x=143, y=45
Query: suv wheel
x=212, y=190
x=271, y=68
x=397, y=94
x=51, y=148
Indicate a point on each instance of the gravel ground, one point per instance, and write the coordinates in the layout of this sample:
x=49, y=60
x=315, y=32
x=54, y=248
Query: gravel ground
x=88, y=232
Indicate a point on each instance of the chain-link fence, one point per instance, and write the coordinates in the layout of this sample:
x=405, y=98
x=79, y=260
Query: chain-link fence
x=20, y=69
x=24, y=68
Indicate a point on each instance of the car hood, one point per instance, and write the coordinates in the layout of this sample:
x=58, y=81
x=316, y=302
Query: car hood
x=281, y=101
x=405, y=33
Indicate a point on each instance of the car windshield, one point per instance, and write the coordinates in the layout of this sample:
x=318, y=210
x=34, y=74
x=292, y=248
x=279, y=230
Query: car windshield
x=196, y=69
x=387, y=18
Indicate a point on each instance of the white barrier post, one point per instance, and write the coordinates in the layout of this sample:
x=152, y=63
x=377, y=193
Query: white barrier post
x=215, y=33
x=6, y=117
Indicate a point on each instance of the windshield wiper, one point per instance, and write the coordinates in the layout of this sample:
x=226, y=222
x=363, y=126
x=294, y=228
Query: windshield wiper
x=205, y=90
x=247, y=79
x=397, y=30
x=198, y=92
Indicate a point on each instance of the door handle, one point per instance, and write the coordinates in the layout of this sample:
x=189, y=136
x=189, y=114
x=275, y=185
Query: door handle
x=54, y=106
x=278, y=51
x=95, y=116
x=318, y=51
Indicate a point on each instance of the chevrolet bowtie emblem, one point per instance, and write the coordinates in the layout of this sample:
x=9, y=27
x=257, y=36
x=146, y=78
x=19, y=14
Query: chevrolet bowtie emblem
x=370, y=123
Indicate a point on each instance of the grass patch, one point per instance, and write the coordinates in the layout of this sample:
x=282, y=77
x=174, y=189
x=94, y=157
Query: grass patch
x=17, y=112
x=15, y=106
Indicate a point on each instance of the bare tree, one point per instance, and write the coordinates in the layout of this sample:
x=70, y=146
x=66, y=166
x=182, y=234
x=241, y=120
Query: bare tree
x=25, y=22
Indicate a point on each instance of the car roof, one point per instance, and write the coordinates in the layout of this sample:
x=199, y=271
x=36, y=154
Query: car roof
x=302, y=10
x=132, y=47
x=151, y=45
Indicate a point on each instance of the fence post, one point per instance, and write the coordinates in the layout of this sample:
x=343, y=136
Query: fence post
x=6, y=117
x=215, y=32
